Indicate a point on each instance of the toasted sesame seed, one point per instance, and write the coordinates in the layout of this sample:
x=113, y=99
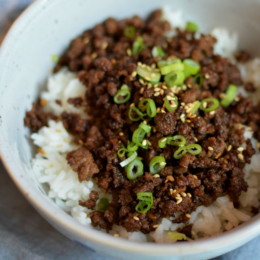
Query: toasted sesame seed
x=163, y=140
x=66, y=140
x=142, y=90
x=183, y=194
x=189, y=195
x=161, y=91
x=222, y=95
x=93, y=55
x=145, y=122
x=212, y=112
x=153, y=75
x=179, y=201
x=156, y=94
x=147, y=78
x=116, y=235
x=210, y=148
x=86, y=40
x=174, y=190
x=195, y=177
x=121, y=133
x=105, y=44
x=157, y=89
x=184, y=87
x=43, y=102
x=169, y=178
x=144, y=142
x=237, y=99
x=162, y=163
x=81, y=142
x=156, y=176
x=240, y=149
x=195, y=139
x=59, y=145
x=189, y=85
x=134, y=74
x=141, y=98
x=163, y=111
x=136, y=218
x=132, y=105
x=156, y=226
x=139, y=63
x=41, y=151
x=206, y=76
x=258, y=145
x=154, y=129
x=241, y=156
x=153, y=65
x=143, y=65
x=171, y=191
x=158, y=110
x=192, y=116
x=178, y=196
x=58, y=131
x=229, y=147
x=188, y=121
x=141, y=81
x=164, y=87
x=149, y=142
x=205, y=104
x=188, y=215
x=218, y=155
x=225, y=161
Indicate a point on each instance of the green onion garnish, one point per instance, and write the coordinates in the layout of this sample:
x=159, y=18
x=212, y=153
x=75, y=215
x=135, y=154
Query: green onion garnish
x=157, y=51
x=206, y=101
x=122, y=152
x=195, y=107
x=230, y=95
x=55, y=58
x=131, y=157
x=145, y=127
x=134, y=169
x=191, y=66
x=163, y=63
x=146, y=202
x=162, y=142
x=178, y=154
x=172, y=67
x=176, y=236
x=122, y=95
x=129, y=31
x=135, y=114
x=148, y=73
x=174, y=78
x=192, y=27
x=177, y=140
x=138, y=138
x=103, y=204
x=200, y=78
x=194, y=149
x=131, y=147
x=149, y=105
x=138, y=46
x=171, y=103
x=156, y=164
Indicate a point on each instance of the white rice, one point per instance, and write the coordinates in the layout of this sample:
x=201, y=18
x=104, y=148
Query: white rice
x=65, y=189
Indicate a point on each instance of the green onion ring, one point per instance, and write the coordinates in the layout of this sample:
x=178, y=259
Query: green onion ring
x=191, y=66
x=145, y=127
x=122, y=96
x=192, y=27
x=212, y=107
x=103, y=204
x=148, y=73
x=129, y=31
x=131, y=147
x=131, y=157
x=174, y=78
x=157, y=51
x=138, y=137
x=156, y=164
x=201, y=80
x=230, y=95
x=173, y=106
x=163, y=63
x=143, y=207
x=178, y=140
x=137, y=112
x=195, y=107
x=122, y=152
x=178, y=154
x=134, y=169
x=162, y=142
x=145, y=196
x=149, y=105
x=172, y=67
x=194, y=149
x=138, y=46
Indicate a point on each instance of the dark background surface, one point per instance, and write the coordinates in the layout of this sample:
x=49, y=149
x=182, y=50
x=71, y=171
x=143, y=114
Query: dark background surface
x=24, y=234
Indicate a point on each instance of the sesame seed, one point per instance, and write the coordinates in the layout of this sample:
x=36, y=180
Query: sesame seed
x=116, y=235
x=58, y=131
x=139, y=63
x=195, y=139
x=183, y=194
x=162, y=163
x=136, y=218
x=206, y=76
x=157, y=89
x=154, y=129
x=93, y=55
x=184, y=87
x=143, y=65
x=189, y=85
x=105, y=44
x=225, y=161
x=205, y=104
x=240, y=149
x=164, y=87
x=210, y=148
x=86, y=40
x=153, y=65
x=156, y=176
x=171, y=94
x=149, y=86
x=156, y=226
x=134, y=74
x=182, y=103
x=158, y=110
x=229, y=147
x=132, y=105
x=156, y=85
x=144, y=142
x=237, y=99
x=141, y=98
x=195, y=177
x=218, y=155
x=174, y=190
x=149, y=142
x=142, y=90
x=153, y=75
x=192, y=116
x=179, y=201
x=121, y=133
x=163, y=140
x=188, y=121
x=148, y=68
x=188, y=215
x=222, y=95
x=178, y=196
x=212, y=112
x=241, y=156
x=189, y=195
x=141, y=81
x=147, y=78
x=59, y=145
x=156, y=94
x=171, y=191
x=161, y=91
x=66, y=140
x=163, y=111
x=258, y=145
x=81, y=142
x=43, y=102
x=145, y=122
x=169, y=178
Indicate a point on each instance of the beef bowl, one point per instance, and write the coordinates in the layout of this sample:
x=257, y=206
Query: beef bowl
x=133, y=127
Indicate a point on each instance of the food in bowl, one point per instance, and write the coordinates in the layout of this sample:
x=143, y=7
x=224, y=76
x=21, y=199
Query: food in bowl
x=145, y=131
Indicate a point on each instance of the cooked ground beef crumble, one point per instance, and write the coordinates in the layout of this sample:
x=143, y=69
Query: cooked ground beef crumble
x=102, y=58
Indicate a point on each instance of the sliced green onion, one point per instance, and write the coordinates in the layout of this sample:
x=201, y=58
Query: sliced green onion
x=201, y=80
x=163, y=63
x=143, y=207
x=180, y=152
x=138, y=46
x=55, y=58
x=157, y=51
x=124, y=87
x=122, y=152
x=192, y=27
x=172, y=67
x=174, y=103
x=137, y=112
x=186, y=74
x=132, y=147
x=178, y=140
x=174, y=78
x=103, y=204
x=145, y=196
x=148, y=73
x=162, y=142
x=145, y=127
x=149, y=105
x=176, y=235
x=122, y=96
x=138, y=137
x=195, y=107
x=156, y=164
x=191, y=66
x=230, y=95
x=129, y=31
x=204, y=104
x=134, y=169
x=128, y=160
x=194, y=149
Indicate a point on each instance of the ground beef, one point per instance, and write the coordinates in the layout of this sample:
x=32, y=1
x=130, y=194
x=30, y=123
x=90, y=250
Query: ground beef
x=102, y=58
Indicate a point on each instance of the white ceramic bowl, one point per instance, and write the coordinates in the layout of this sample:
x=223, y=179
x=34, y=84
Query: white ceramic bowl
x=46, y=27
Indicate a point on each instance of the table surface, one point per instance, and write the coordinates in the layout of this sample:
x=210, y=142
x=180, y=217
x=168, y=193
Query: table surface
x=24, y=234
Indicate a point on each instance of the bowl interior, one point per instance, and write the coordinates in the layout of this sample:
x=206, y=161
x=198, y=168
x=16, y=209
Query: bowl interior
x=47, y=28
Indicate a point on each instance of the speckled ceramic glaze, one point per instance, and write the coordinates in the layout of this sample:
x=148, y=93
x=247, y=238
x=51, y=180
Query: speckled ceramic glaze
x=46, y=28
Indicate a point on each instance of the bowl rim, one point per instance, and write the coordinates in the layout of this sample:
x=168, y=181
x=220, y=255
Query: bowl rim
x=249, y=229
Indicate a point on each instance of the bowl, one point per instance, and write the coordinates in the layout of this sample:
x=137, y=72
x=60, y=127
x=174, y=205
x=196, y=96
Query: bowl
x=45, y=28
